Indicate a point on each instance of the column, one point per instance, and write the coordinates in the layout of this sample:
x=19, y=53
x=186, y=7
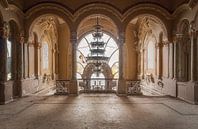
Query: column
x=20, y=56
x=171, y=61
x=175, y=59
x=193, y=41
x=74, y=87
x=160, y=46
x=53, y=63
x=20, y=63
x=56, y=61
x=36, y=60
x=3, y=55
x=122, y=89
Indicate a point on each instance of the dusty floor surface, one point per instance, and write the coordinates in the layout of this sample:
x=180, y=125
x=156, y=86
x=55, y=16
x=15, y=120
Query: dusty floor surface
x=98, y=111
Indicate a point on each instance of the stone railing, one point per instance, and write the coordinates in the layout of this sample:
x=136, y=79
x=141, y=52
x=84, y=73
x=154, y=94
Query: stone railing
x=97, y=85
x=62, y=87
x=133, y=87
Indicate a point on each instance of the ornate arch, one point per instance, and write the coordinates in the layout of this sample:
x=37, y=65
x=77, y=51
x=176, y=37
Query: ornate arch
x=88, y=71
x=158, y=13
x=102, y=9
x=183, y=26
x=47, y=9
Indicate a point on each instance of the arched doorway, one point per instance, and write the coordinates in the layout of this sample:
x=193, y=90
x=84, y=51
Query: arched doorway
x=97, y=58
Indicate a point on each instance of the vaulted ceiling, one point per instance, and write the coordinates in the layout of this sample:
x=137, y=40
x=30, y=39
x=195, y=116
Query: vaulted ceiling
x=121, y=5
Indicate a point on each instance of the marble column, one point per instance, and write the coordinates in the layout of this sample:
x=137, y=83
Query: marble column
x=53, y=63
x=74, y=87
x=171, y=60
x=36, y=58
x=160, y=60
x=56, y=61
x=20, y=61
x=193, y=41
x=20, y=55
x=122, y=89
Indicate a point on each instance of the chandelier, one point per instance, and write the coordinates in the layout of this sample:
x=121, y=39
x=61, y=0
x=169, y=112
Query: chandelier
x=97, y=49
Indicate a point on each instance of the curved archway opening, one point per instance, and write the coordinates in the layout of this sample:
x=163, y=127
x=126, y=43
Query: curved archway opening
x=146, y=51
x=97, y=55
x=49, y=51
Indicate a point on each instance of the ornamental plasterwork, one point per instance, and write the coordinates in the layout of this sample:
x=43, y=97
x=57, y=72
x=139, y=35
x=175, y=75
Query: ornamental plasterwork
x=5, y=30
x=48, y=28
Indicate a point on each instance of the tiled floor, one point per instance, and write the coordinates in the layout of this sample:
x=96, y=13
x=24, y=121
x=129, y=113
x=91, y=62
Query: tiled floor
x=98, y=111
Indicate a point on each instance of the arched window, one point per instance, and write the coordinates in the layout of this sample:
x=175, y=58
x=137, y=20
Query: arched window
x=111, y=51
x=45, y=52
x=151, y=55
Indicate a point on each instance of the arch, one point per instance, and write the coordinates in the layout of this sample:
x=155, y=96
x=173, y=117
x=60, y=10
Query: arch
x=88, y=71
x=152, y=10
x=156, y=19
x=101, y=9
x=44, y=9
x=183, y=26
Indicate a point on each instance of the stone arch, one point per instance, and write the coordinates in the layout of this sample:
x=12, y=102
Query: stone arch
x=102, y=9
x=183, y=26
x=47, y=9
x=158, y=13
x=88, y=71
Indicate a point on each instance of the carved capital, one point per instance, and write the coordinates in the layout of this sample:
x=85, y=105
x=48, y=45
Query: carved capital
x=21, y=37
x=4, y=30
x=177, y=37
x=121, y=38
x=73, y=37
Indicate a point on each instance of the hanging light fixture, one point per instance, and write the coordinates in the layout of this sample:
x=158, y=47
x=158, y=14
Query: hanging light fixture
x=97, y=49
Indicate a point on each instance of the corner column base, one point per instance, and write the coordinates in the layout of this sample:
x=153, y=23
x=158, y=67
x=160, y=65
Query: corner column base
x=73, y=89
x=122, y=89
